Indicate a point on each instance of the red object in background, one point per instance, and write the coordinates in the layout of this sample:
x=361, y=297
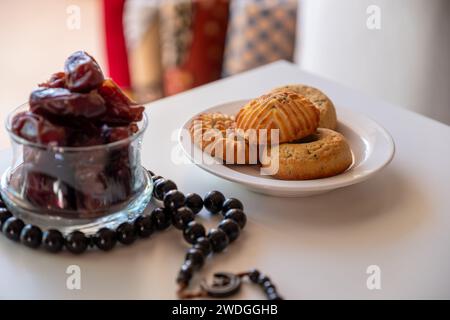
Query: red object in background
x=205, y=55
x=115, y=42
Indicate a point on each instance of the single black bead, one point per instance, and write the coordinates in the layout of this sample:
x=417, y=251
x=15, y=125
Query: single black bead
x=156, y=178
x=4, y=215
x=254, y=275
x=270, y=290
x=182, y=217
x=161, y=218
x=263, y=279
x=144, y=226
x=76, y=242
x=196, y=257
x=186, y=273
x=204, y=245
x=53, y=240
x=12, y=228
x=31, y=236
x=194, y=202
x=231, y=228
x=269, y=287
x=213, y=201
x=173, y=200
x=232, y=203
x=162, y=186
x=238, y=216
x=105, y=239
x=193, y=231
x=150, y=173
x=219, y=240
x=126, y=234
x=274, y=297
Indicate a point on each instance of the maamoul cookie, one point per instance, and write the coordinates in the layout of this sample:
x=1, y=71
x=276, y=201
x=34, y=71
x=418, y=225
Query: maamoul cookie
x=324, y=154
x=328, y=117
x=216, y=134
x=208, y=121
x=292, y=114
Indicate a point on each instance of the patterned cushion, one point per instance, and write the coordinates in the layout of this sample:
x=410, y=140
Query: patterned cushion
x=259, y=32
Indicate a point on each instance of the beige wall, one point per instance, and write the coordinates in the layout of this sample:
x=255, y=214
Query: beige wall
x=35, y=41
x=406, y=62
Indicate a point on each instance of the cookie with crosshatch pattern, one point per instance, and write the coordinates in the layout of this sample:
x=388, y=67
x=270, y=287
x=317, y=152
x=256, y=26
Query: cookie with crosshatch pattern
x=216, y=134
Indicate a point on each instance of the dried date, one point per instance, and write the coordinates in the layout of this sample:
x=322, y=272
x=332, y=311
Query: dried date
x=35, y=128
x=83, y=72
x=85, y=136
x=120, y=108
x=60, y=103
x=113, y=134
x=92, y=188
x=48, y=192
x=57, y=80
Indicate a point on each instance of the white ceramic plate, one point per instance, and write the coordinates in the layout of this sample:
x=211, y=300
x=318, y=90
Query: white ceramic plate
x=372, y=147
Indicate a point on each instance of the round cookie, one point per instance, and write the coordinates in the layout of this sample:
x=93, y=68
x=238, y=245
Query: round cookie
x=216, y=134
x=328, y=117
x=210, y=123
x=324, y=154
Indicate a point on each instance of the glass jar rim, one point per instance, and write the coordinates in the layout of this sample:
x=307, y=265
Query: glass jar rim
x=120, y=143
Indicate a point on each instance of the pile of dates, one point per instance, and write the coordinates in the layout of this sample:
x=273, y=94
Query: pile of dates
x=78, y=108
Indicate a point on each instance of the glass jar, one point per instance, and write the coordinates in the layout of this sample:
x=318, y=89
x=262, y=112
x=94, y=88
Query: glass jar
x=76, y=188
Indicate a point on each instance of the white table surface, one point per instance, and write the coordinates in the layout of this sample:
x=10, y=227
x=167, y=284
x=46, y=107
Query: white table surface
x=317, y=247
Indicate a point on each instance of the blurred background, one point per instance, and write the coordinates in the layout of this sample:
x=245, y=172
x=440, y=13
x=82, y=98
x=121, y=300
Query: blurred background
x=398, y=50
